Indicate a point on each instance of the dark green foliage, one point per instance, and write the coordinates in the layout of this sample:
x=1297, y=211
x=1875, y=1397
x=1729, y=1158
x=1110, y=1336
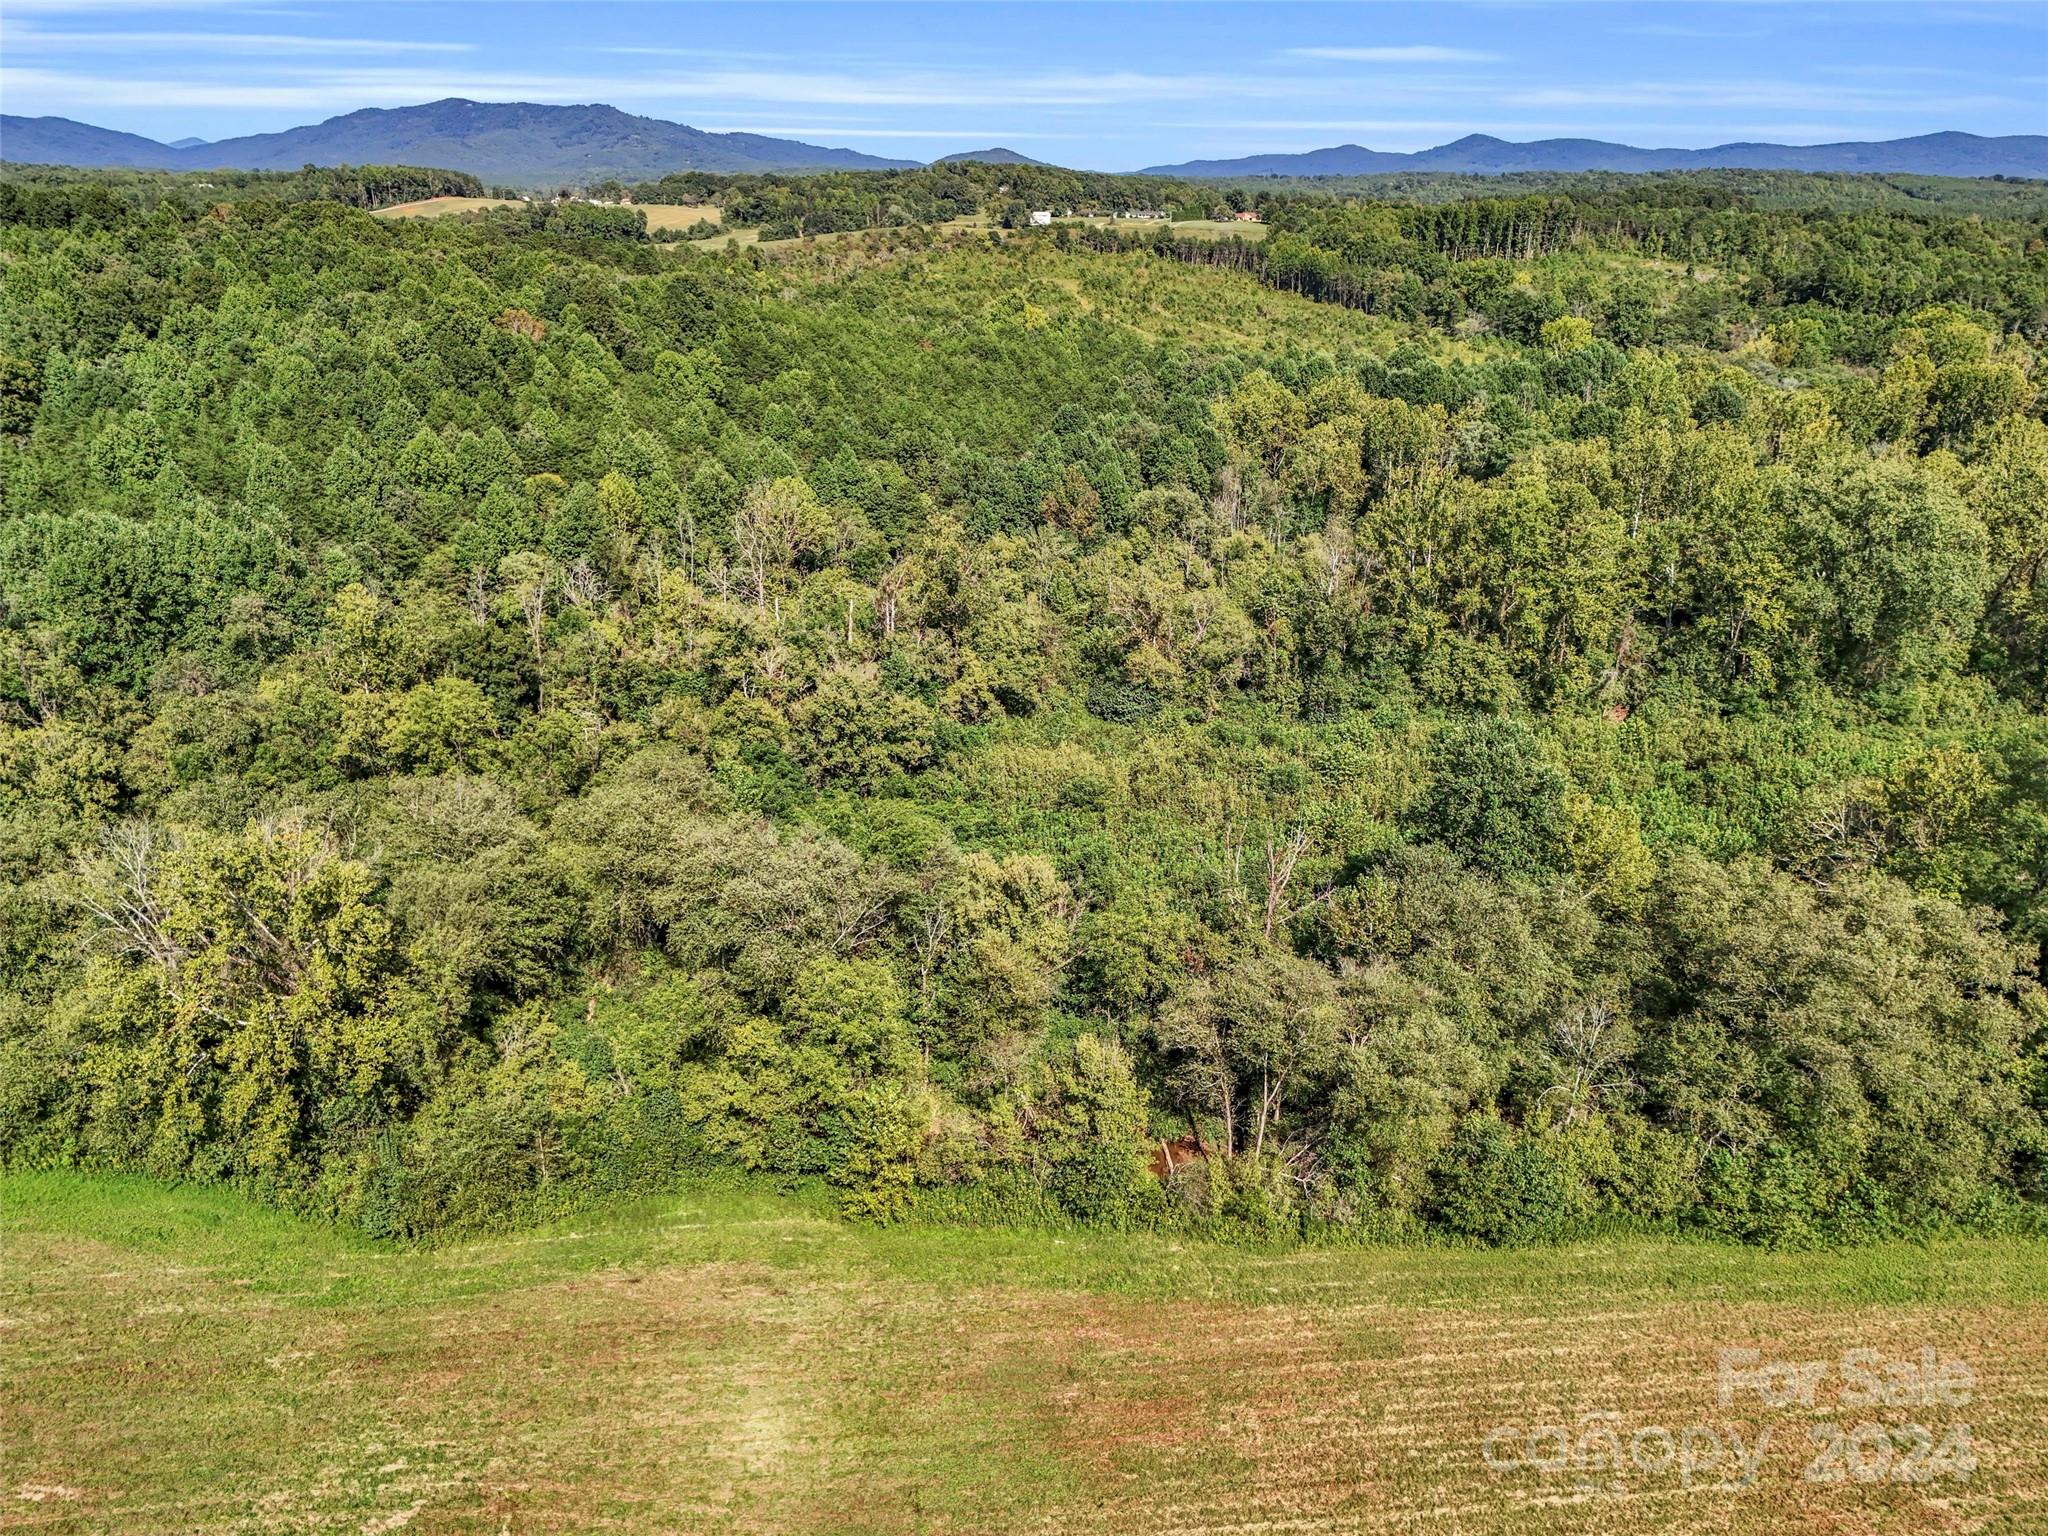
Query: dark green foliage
x=495, y=712
x=1494, y=799
x=56, y=196
x=1501, y=1185
x=585, y=221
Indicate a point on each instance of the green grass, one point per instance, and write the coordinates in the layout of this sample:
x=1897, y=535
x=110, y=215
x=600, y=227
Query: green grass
x=184, y=1360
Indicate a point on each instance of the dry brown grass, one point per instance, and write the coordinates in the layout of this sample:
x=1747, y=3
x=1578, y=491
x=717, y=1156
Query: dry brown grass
x=441, y=207
x=746, y=1367
x=663, y=217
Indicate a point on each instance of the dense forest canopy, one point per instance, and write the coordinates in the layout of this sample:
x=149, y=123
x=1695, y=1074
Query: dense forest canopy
x=66, y=195
x=795, y=205
x=1496, y=717
x=1990, y=196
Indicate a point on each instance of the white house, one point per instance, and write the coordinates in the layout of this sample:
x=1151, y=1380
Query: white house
x=1041, y=215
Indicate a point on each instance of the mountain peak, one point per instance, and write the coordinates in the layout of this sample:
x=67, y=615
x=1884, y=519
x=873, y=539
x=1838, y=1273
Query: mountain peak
x=508, y=142
x=996, y=156
x=1480, y=154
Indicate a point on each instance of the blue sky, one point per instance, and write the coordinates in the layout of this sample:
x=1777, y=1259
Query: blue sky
x=1107, y=86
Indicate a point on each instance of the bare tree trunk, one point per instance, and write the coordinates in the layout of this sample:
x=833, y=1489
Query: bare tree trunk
x=1280, y=864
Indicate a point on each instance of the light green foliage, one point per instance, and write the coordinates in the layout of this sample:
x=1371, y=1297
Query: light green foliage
x=257, y=1006
x=439, y=726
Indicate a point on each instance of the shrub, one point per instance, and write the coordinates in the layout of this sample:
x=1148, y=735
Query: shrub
x=1495, y=799
x=1502, y=1185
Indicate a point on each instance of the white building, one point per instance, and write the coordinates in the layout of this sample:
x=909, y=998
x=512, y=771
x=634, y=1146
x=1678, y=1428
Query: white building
x=1041, y=215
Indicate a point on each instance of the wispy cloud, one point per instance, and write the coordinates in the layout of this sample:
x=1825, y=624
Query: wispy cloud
x=1359, y=125
x=653, y=51
x=689, y=94
x=723, y=90
x=732, y=94
x=1893, y=71
x=820, y=131
x=130, y=7
x=30, y=90
x=1200, y=79
x=956, y=88
x=1690, y=33
x=1769, y=95
x=1405, y=135
x=1400, y=53
x=21, y=38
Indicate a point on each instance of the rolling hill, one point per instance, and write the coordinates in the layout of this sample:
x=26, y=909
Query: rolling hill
x=60, y=141
x=510, y=142
x=525, y=143
x=996, y=156
x=1933, y=154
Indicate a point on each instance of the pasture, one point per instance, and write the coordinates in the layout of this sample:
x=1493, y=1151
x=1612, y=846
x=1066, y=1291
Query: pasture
x=183, y=1360
x=443, y=207
x=662, y=218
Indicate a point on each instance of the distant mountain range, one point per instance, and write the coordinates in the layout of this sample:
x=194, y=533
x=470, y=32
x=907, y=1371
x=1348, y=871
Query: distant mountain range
x=989, y=157
x=1479, y=154
x=513, y=143
x=525, y=144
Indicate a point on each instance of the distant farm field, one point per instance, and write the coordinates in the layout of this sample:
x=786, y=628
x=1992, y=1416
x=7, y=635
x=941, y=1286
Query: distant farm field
x=1206, y=229
x=440, y=207
x=732, y=237
x=662, y=217
x=181, y=1360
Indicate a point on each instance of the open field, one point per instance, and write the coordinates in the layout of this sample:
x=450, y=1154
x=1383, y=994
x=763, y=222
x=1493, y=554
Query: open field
x=661, y=217
x=733, y=237
x=181, y=1360
x=440, y=207
x=1202, y=229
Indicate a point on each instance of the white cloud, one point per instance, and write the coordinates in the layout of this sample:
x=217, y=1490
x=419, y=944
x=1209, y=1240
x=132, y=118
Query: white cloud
x=1405, y=53
x=1350, y=124
x=817, y=131
x=115, y=7
x=31, y=91
x=1769, y=95
x=1701, y=34
x=29, y=39
x=950, y=88
x=651, y=51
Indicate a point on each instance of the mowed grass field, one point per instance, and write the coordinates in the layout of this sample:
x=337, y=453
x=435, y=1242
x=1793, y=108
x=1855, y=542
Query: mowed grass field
x=181, y=1360
x=661, y=217
x=664, y=217
x=441, y=207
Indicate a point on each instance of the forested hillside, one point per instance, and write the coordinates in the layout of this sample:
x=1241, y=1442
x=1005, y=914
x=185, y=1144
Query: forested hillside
x=62, y=196
x=1500, y=718
x=796, y=205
